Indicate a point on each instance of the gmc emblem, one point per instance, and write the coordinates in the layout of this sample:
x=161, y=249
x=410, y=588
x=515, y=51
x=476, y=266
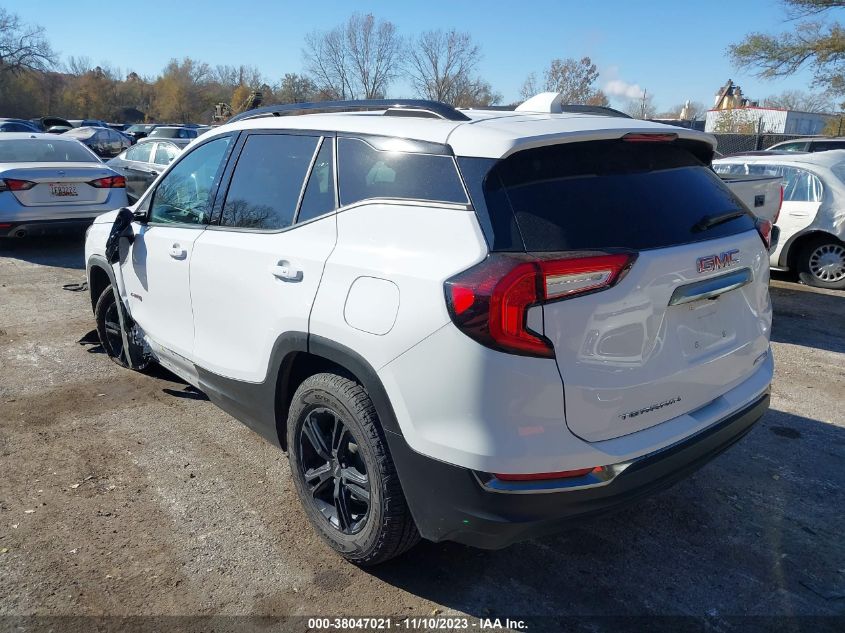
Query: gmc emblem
x=717, y=262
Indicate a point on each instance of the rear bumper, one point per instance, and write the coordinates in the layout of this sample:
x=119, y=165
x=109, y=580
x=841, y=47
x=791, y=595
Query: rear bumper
x=450, y=503
x=35, y=228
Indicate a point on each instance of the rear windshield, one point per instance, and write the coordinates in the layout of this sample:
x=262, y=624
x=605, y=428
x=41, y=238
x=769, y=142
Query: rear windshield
x=44, y=151
x=605, y=194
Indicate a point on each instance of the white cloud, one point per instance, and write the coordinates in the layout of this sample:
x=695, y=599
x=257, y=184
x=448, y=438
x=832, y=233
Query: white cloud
x=621, y=88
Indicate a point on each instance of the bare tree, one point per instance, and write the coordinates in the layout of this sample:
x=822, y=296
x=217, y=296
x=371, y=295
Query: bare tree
x=22, y=47
x=573, y=78
x=475, y=93
x=358, y=59
x=642, y=108
x=798, y=100
x=441, y=63
x=530, y=87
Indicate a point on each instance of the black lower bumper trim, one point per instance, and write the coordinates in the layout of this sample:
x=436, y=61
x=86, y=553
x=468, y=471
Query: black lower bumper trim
x=448, y=503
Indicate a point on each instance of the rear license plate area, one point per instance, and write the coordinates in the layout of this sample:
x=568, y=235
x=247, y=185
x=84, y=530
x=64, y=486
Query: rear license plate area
x=63, y=190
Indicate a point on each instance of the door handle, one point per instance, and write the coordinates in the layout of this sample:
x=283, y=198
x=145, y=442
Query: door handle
x=286, y=271
x=177, y=252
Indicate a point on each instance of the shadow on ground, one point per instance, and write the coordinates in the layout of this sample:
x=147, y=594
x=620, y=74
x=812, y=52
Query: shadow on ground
x=804, y=316
x=66, y=250
x=755, y=532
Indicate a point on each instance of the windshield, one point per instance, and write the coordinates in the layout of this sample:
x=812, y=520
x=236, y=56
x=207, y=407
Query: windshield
x=138, y=128
x=44, y=151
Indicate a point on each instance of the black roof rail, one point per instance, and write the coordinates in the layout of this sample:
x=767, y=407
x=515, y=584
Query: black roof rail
x=424, y=107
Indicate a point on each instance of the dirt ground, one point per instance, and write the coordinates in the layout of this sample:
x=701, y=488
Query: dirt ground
x=125, y=494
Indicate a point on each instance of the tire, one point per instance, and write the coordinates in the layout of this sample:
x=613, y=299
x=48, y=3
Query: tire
x=343, y=472
x=108, y=329
x=821, y=263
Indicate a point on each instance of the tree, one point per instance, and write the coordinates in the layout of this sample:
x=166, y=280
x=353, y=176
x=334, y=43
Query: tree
x=180, y=92
x=810, y=43
x=22, y=47
x=798, y=100
x=475, y=93
x=357, y=59
x=296, y=89
x=572, y=78
x=441, y=64
x=642, y=108
x=530, y=87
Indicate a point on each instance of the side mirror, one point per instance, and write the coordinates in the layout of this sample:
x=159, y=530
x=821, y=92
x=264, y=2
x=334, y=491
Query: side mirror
x=139, y=216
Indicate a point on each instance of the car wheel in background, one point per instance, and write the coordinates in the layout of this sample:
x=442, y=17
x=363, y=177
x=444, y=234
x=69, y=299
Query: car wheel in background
x=821, y=263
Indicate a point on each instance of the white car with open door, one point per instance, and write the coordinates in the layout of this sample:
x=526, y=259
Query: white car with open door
x=461, y=325
x=812, y=216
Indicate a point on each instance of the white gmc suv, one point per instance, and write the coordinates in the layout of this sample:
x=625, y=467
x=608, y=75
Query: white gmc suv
x=464, y=325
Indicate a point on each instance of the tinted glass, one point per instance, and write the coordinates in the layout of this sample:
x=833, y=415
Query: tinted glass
x=823, y=146
x=140, y=152
x=165, y=153
x=792, y=147
x=267, y=181
x=44, y=151
x=183, y=196
x=610, y=194
x=366, y=172
x=319, y=192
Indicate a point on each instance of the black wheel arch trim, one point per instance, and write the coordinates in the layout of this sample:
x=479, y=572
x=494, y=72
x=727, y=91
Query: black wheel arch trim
x=98, y=261
x=263, y=406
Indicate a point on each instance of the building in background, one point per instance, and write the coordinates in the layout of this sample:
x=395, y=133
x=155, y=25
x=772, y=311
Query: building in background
x=733, y=113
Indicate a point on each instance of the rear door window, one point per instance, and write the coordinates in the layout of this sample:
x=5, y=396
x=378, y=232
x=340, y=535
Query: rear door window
x=366, y=173
x=610, y=194
x=319, y=195
x=140, y=152
x=267, y=181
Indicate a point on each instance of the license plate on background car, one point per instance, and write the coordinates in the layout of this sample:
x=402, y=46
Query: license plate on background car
x=63, y=190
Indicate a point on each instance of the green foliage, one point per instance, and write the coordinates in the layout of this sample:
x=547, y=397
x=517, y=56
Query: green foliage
x=812, y=43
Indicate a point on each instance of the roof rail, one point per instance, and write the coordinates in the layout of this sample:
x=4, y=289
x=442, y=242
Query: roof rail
x=424, y=107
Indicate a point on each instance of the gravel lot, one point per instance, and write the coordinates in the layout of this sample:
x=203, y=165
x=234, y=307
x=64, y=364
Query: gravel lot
x=125, y=494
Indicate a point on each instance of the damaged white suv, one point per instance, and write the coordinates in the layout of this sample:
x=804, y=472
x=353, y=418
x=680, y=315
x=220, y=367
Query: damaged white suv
x=461, y=325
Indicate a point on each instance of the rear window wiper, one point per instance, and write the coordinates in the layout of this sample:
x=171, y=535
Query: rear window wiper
x=709, y=221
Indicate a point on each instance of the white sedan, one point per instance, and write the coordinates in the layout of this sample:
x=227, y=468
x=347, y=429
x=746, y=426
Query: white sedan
x=48, y=183
x=812, y=216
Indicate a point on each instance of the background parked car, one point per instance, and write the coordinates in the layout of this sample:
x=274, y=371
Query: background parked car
x=58, y=129
x=104, y=142
x=174, y=132
x=88, y=123
x=49, y=182
x=141, y=130
x=812, y=217
x=143, y=162
x=46, y=122
x=810, y=145
x=17, y=125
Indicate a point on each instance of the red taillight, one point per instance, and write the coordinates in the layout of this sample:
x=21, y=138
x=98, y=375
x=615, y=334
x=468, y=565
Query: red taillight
x=634, y=137
x=764, y=228
x=109, y=182
x=563, y=474
x=12, y=184
x=490, y=301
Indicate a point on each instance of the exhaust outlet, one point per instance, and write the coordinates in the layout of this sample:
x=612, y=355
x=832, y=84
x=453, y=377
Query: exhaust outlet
x=20, y=233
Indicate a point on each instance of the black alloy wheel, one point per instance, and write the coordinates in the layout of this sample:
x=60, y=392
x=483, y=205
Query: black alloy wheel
x=332, y=466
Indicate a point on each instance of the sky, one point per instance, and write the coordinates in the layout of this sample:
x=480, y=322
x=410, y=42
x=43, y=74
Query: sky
x=676, y=50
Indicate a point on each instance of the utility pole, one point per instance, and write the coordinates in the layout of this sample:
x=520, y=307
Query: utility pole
x=642, y=105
